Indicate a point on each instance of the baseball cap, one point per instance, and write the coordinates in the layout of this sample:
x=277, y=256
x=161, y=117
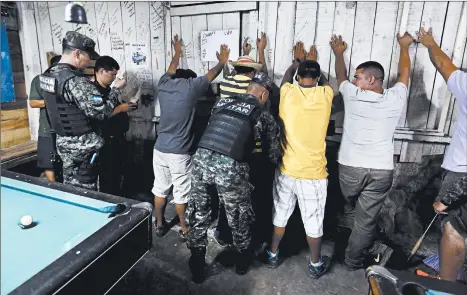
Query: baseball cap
x=263, y=80
x=309, y=69
x=81, y=42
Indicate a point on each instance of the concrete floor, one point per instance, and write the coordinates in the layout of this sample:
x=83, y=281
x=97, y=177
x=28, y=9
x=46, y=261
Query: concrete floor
x=164, y=270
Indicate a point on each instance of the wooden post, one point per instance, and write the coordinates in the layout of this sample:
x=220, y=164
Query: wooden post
x=31, y=57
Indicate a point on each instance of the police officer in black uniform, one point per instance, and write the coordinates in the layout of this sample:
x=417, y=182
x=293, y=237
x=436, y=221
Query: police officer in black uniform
x=72, y=103
x=221, y=163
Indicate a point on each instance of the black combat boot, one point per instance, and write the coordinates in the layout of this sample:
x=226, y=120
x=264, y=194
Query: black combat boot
x=197, y=264
x=245, y=259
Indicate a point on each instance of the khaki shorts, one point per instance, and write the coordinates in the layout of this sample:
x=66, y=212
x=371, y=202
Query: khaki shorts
x=172, y=171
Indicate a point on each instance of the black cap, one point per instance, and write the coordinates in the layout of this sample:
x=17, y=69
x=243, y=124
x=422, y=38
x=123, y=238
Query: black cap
x=79, y=41
x=263, y=80
x=309, y=69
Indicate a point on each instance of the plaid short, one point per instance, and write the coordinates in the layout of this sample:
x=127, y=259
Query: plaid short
x=311, y=196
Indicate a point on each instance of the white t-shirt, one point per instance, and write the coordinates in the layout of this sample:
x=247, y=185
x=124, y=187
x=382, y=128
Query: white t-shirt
x=369, y=125
x=455, y=158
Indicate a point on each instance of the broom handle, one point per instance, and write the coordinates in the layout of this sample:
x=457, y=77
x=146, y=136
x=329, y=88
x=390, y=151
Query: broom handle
x=420, y=241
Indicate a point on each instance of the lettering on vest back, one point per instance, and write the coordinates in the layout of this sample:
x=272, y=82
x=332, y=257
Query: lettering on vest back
x=239, y=107
x=47, y=84
x=242, y=108
x=222, y=102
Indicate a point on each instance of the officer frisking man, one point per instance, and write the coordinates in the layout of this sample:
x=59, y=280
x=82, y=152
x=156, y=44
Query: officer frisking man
x=221, y=162
x=113, y=129
x=74, y=105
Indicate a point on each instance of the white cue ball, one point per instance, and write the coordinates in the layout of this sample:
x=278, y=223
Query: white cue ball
x=26, y=220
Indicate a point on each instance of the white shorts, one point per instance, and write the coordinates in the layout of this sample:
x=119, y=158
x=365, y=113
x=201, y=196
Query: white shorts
x=311, y=195
x=172, y=171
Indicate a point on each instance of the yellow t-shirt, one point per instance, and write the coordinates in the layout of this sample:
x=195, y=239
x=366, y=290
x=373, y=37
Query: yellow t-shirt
x=305, y=113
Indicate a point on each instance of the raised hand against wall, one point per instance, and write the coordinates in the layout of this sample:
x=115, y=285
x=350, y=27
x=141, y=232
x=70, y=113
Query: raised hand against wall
x=338, y=45
x=261, y=42
x=440, y=60
x=405, y=40
x=177, y=44
x=312, y=54
x=246, y=46
x=426, y=37
x=299, y=51
x=223, y=56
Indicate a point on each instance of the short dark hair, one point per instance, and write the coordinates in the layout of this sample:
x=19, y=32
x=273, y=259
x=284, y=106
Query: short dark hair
x=66, y=49
x=373, y=68
x=243, y=70
x=184, y=74
x=55, y=59
x=107, y=63
x=309, y=69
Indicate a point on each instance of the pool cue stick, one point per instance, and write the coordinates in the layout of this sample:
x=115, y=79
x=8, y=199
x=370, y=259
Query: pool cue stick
x=420, y=241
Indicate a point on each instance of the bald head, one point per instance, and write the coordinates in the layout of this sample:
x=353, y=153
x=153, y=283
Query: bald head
x=258, y=91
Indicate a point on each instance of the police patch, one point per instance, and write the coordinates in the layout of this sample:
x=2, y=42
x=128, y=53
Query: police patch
x=222, y=102
x=242, y=108
x=47, y=83
x=97, y=99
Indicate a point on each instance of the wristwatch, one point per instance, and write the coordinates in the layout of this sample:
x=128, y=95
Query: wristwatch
x=445, y=203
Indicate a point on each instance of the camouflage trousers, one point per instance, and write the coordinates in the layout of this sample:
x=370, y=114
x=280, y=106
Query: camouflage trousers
x=76, y=153
x=213, y=171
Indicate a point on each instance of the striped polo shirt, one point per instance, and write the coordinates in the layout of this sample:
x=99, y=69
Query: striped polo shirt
x=232, y=85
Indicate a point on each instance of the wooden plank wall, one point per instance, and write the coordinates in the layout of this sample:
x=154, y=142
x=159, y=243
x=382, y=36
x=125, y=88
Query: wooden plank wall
x=111, y=25
x=369, y=28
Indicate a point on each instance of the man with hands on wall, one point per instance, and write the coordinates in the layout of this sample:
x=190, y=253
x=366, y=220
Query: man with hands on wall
x=452, y=198
x=304, y=113
x=367, y=149
x=245, y=67
x=179, y=90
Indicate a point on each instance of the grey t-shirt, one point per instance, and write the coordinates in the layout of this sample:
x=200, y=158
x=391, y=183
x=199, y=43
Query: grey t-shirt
x=177, y=99
x=369, y=125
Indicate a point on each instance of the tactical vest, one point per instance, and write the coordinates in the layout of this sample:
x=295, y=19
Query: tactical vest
x=66, y=119
x=230, y=129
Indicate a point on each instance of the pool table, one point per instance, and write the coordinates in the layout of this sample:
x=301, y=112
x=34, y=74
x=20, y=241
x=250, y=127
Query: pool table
x=385, y=281
x=77, y=244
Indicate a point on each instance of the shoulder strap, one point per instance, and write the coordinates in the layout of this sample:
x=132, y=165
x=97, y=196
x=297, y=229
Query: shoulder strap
x=64, y=76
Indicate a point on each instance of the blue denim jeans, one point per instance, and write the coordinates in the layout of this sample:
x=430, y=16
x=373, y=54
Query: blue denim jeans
x=364, y=191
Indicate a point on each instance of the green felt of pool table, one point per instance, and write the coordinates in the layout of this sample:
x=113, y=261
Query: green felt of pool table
x=61, y=226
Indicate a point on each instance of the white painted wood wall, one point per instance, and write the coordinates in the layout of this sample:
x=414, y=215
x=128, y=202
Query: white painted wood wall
x=368, y=27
